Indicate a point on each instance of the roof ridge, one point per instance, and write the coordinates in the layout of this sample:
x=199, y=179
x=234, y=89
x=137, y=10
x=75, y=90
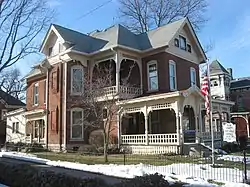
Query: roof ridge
x=69, y=29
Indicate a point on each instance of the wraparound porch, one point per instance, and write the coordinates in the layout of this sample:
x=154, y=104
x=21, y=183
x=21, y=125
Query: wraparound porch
x=166, y=122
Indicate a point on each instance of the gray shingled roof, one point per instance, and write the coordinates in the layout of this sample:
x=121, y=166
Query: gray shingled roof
x=10, y=100
x=118, y=35
x=239, y=83
x=216, y=68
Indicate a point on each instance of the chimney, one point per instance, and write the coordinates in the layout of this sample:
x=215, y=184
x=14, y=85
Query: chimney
x=230, y=71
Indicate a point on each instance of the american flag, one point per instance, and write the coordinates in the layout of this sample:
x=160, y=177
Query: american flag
x=205, y=92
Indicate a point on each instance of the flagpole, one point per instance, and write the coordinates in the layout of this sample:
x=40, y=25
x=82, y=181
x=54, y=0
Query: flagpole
x=211, y=112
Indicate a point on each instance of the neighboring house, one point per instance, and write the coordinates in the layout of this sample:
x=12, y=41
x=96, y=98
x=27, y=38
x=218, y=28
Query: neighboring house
x=164, y=113
x=240, y=94
x=220, y=81
x=7, y=103
x=15, y=127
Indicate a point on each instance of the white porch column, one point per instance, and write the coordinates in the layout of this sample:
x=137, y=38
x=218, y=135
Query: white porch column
x=197, y=130
x=248, y=131
x=118, y=130
x=181, y=128
x=178, y=128
x=146, y=128
x=117, y=72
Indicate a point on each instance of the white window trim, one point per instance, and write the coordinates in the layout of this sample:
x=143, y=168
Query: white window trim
x=36, y=85
x=193, y=70
x=71, y=124
x=71, y=77
x=3, y=110
x=171, y=62
x=148, y=64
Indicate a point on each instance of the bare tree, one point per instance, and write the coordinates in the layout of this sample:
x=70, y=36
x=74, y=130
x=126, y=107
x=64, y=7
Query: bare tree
x=11, y=82
x=143, y=15
x=99, y=102
x=21, y=21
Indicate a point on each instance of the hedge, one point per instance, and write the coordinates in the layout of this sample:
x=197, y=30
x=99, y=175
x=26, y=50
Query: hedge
x=25, y=175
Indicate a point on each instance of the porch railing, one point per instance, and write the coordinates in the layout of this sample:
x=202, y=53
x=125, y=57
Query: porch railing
x=206, y=136
x=153, y=139
x=133, y=139
x=162, y=138
x=128, y=91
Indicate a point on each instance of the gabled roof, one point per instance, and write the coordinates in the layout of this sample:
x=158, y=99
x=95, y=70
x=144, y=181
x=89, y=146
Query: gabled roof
x=240, y=83
x=216, y=68
x=119, y=35
x=9, y=99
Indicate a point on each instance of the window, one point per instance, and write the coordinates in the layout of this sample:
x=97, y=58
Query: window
x=189, y=49
x=193, y=76
x=183, y=43
x=50, y=51
x=15, y=127
x=54, y=119
x=3, y=114
x=172, y=75
x=44, y=91
x=60, y=47
x=77, y=80
x=35, y=94
x=176, y=42
x=77, y=124
x=152, y=76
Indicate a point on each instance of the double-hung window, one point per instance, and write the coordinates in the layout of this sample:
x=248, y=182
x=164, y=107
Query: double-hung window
x=172, y=76
x=77, y=128
x=152, y=76
x=193, y=76
x=77, y=76
x=35, y=94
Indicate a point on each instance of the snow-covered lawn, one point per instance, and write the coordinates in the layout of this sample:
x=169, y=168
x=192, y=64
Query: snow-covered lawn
x=234, y=158
x=194, y=174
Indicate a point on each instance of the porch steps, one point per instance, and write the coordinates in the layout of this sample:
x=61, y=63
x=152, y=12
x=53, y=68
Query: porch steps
x=197, y=150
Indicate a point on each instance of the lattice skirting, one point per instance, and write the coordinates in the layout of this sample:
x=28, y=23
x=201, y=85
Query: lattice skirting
x=143, y=149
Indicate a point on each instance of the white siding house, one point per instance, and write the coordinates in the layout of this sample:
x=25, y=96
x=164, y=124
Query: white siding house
x=15, y=126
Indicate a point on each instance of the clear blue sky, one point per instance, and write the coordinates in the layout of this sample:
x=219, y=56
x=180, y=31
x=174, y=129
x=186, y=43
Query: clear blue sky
x=228, y=28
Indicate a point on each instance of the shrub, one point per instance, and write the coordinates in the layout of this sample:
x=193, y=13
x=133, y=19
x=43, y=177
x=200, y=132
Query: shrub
x=155, y=180
x=230, y=147
x=96, y=139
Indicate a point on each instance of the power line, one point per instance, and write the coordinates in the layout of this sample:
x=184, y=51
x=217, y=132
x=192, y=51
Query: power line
x=94, y=9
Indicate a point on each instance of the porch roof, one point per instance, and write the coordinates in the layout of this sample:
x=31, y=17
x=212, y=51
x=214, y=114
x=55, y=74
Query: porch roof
x=182, y=93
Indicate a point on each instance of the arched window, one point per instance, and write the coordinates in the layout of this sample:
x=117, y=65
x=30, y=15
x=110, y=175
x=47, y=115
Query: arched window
x=77, y=78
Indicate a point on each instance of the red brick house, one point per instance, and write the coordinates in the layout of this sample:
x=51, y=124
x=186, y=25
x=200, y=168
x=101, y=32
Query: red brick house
x=165, y=106
x=240, y=94
x=7, y=103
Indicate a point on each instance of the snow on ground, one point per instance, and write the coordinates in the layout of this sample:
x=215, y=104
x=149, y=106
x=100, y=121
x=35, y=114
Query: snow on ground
x=174, y=172
x=1, y=185
x=234, y=158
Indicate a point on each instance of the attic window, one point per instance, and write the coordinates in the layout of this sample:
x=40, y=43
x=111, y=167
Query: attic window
x=183, y=43
x=189, y=49
x=176, y=42
x=50, y=51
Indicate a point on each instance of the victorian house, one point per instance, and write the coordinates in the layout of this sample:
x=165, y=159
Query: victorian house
x=164, y=110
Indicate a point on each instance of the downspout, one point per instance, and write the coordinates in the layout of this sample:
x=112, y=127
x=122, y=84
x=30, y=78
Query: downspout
x=65, y=103
x=47, y=108
x=61, y=105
